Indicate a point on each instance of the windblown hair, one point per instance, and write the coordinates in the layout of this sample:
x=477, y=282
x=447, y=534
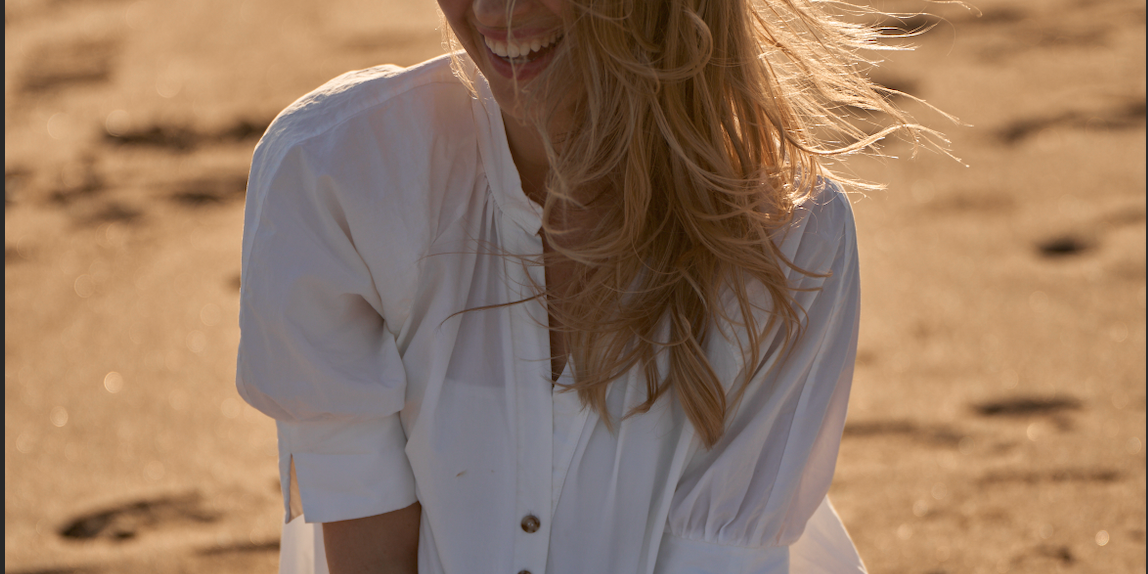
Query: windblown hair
x=688, y=131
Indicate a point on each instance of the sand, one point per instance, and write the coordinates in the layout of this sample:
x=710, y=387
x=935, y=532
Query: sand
x=997, y=422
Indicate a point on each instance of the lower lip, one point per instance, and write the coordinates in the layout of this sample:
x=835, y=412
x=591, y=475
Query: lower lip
x=524, y=72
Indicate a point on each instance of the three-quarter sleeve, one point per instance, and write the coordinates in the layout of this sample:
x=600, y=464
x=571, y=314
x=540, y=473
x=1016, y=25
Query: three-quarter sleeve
x=316, y=353
x=740, y=505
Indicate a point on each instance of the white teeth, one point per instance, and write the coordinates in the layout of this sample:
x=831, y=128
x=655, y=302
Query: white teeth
x=524, y=49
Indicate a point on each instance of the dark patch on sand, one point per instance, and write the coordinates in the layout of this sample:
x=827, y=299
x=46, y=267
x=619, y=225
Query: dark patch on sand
x=1062, y=245
x=210, y=191
x=933, y=434
x=53, y=571
x=81, y=180
x=11, y=255
x=127, y=521
x=242, y=548
x=1057, y=475
x=113, y=211
x=1027, y=406
x=15, y=180
x=1061, y=553
x=178, y=138
x=1133, y=215
x=167, y=137
x=58, y=66
x=1125, y=117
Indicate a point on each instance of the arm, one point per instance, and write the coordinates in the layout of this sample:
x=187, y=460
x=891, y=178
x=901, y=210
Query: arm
x=381, y=544
x=740, y=505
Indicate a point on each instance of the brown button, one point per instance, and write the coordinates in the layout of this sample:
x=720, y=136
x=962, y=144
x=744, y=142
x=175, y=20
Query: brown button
x=523, y=572
x=530, y=524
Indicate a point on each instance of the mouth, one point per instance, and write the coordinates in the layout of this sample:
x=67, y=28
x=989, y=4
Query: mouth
x=522, y=52
x=523, y=59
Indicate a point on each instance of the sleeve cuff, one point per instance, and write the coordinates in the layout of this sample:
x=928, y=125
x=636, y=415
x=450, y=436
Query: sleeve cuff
x=331, y=471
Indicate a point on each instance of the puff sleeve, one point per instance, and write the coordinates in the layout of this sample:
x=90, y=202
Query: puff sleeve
x=316, y=352
x=740, y=506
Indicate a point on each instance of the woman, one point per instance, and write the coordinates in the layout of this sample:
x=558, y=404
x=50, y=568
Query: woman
x=579, y=300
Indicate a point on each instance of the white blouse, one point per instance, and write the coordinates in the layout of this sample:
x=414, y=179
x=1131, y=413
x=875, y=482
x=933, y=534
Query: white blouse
x=386, y=202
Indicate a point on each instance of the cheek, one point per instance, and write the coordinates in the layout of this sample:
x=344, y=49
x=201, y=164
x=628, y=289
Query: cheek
x=455, y=11
x=558, y=7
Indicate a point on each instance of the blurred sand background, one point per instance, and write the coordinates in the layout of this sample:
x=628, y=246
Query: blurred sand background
x=998, y=416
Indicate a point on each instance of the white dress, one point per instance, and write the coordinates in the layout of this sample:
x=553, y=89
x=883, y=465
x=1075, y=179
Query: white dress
x=384, y=203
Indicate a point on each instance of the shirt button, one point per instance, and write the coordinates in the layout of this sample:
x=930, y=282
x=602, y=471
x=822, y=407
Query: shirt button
x=523, y=572
x=530, y=524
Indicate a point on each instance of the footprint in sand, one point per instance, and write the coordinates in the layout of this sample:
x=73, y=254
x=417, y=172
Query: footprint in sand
x=54, y=571
x=1024, y=406
x=78, y=180
x=931, y=435
x=1054, y=475
x=127, y=521
x=208, y=191
x=1062, y=245
x=15, y=181
x=181, y=139
x=1053, y=409
x=1126, y=116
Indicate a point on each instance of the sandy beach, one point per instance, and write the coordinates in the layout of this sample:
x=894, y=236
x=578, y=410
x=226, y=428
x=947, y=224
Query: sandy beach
x=997, y=422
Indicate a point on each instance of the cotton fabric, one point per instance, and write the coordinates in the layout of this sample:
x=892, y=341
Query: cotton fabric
x=383, y=211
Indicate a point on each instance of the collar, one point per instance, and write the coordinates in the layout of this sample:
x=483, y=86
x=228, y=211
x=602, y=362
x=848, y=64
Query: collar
x=493, y=147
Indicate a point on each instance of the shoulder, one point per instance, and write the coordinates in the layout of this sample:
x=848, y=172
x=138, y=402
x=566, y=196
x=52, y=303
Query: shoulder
x=826, y=213
x=419, y=93
x=383, y=156
x=821, y=230
x=368, y=125
x=372, y=141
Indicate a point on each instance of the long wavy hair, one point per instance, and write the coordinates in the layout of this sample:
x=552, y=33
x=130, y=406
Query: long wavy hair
x=681, y=135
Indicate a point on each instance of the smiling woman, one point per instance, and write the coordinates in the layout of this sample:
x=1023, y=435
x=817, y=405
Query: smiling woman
x=578, y=297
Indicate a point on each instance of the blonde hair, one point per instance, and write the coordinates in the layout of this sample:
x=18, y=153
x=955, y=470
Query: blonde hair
x=691, y=129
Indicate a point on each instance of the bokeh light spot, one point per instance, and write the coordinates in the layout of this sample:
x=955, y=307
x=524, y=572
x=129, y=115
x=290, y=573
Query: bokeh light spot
x=56, y=125
x=230, y=408
x=113, y=382
x=920, y=508
x=196, y=342
x=25, y=443
x=1102, y=538
x=84, y=286
x=118, y=123
x=58, y=416
x=940, y=491
x=210, y=314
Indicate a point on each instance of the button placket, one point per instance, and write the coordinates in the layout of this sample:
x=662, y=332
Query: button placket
x=533, y=409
